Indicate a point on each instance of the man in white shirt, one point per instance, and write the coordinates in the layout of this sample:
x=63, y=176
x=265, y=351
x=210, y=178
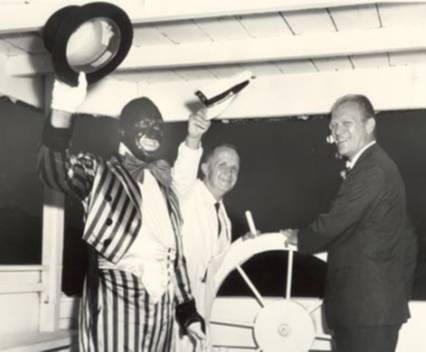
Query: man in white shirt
x=206, y=229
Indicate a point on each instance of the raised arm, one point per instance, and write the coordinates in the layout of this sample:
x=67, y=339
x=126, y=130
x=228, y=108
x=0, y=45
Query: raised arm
x=185, y=169
x=354, y=198
x=57, y=168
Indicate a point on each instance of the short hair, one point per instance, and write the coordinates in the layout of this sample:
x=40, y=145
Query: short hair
x=136, y=109
x=209, y=152
x=365, y=105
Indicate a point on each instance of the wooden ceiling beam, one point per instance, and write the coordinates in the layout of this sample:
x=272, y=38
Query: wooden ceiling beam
x=28, y=90
x=383, y=40
x=34, y=13
x=398, y=88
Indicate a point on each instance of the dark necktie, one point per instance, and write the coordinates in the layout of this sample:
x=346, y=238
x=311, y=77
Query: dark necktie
x=219, y=225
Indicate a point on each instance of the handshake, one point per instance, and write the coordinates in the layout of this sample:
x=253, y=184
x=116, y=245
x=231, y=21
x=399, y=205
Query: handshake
x=290, y=236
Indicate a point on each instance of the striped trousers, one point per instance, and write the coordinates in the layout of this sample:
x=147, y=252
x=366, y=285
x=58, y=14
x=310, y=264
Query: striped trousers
x=127, y=320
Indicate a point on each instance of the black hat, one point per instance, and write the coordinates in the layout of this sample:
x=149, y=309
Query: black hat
x=103, y=33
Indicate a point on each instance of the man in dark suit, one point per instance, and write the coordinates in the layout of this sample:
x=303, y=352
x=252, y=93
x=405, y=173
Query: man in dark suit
x=370, y=242
x=137, y=283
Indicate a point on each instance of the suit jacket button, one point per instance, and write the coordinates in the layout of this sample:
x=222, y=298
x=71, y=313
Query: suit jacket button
x=108, y=222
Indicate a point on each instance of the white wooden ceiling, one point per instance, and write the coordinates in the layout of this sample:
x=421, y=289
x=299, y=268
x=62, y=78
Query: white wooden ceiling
x=271, y=38
x=263, y=43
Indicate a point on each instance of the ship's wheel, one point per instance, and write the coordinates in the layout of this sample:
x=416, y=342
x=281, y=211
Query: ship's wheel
x=264, y=324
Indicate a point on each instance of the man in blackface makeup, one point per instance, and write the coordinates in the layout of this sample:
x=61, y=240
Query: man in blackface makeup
x=137, y=281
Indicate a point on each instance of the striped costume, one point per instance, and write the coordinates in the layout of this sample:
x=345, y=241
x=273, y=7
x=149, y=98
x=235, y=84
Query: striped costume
x=117, y=311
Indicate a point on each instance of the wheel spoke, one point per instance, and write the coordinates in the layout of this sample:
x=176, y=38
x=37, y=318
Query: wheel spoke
x=233, y=323
x=244, y=348
x=251, y=286
x=323, y=337
x=289, y=274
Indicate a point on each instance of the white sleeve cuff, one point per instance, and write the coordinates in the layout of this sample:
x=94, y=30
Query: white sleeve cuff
x=188, y=152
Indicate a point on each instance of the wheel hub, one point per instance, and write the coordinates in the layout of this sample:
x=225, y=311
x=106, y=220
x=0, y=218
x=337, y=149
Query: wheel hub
x=284, y=325
x=284, y=330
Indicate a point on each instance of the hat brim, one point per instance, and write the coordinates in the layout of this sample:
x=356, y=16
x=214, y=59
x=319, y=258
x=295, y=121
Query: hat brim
x=69, y=25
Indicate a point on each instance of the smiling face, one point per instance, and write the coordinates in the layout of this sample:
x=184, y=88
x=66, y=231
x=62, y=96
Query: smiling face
x=141, y=128
x=148, y=134
x=351, y=128
x=220, y=171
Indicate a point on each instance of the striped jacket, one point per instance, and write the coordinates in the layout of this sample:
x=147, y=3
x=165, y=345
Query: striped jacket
x=111, y=199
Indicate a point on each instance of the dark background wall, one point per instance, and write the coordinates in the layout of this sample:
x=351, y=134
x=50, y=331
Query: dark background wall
x=20, y=191
x=288, y=175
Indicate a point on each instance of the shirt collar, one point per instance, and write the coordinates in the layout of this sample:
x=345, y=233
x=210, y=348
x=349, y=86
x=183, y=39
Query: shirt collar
x=351, y=163
x=208, y=194
x=122, y=149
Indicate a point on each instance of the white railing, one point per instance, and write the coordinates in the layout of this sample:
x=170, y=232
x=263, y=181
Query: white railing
x=23, y=297
x=30, y=295
x=21, y=279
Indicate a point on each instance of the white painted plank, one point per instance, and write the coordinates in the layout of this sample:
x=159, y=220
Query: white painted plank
x=147, y=35
x=265, y=25
x=39, y=342
x=194, y=74
x=183, y=32
x=253, y=50
x=296, y=67
x=408, y=58
x=225, y=28
x=28, y=90
x=21, y=268
x=333, y=64
x=148, y=76
x=370, y=61
x=28, y=42
x=311, y=21
x=8, y=49
x=16, y=288
x=355, y=17
x=33, y=14
x=20, y=313
x=402, y=15
x=263, y=69
x=281, y=95
x=225, y=70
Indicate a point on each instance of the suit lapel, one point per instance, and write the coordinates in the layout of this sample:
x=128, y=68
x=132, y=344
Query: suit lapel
x=130, y=185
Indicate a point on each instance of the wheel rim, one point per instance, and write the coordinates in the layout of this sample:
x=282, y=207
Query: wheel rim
x=281, y=324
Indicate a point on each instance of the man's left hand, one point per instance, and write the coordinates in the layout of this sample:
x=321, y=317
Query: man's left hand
x=291, y=236
x=250, y=235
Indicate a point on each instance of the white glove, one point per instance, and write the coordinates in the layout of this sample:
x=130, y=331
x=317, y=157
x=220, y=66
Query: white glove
x=68, y=98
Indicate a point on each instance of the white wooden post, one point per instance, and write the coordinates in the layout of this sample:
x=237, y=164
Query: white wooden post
x=53, y=240
x=53, y=243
